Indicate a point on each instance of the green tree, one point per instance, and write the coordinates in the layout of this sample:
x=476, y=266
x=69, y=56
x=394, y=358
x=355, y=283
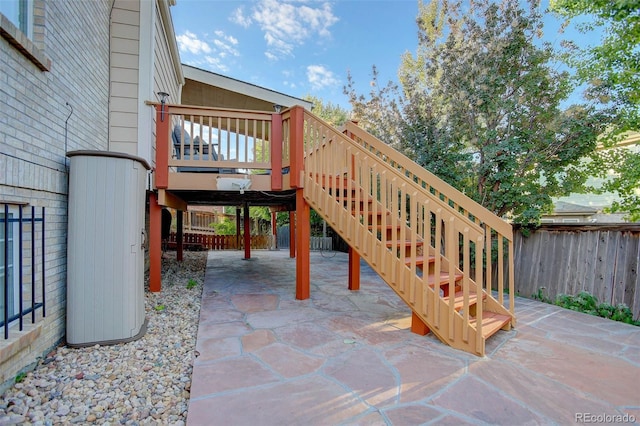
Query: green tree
x=225, y=227
x=329, y=112
x=611, y=68
x=480, y=107
x=611, y=71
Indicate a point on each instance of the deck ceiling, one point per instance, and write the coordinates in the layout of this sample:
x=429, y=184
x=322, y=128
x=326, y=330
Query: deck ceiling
x=208, y=89
x=202, y=94
x=285, y=199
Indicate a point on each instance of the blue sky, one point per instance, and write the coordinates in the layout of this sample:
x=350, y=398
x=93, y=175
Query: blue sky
x=302, y=47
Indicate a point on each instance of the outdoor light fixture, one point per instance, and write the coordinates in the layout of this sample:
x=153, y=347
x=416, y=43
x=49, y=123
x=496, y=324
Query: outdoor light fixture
x=163, y=100
x=277, y=108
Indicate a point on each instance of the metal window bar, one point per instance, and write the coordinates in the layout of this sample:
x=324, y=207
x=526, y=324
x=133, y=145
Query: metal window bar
x=5, y=220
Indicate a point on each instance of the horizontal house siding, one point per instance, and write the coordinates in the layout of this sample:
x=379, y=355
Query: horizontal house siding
x=34, y=107
x=125, y=36
x=164, y=74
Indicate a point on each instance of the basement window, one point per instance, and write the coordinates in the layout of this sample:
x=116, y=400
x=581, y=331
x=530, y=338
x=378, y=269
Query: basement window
x=22, y=25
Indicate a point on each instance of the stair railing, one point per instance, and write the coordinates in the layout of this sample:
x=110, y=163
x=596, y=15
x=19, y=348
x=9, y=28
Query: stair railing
x=498, y=233
x=347, y=184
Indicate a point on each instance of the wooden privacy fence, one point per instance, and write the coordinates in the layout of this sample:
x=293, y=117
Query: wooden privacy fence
x=566, y=259
x=315, y=243
x=192, y=241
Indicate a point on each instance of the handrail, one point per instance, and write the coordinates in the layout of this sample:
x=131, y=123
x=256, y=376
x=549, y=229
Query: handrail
x=397, y=171
x=432, y=182
x=498, y=231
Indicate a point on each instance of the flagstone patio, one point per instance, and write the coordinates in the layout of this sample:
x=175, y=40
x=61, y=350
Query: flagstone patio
x=345, y=357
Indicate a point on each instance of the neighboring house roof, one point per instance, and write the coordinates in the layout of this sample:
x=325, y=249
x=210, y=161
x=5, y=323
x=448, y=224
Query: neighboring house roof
x=633, y=138
x=206, y=88
x=570, y=209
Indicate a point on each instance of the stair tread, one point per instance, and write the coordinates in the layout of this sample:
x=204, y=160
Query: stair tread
x=370, y=213
x=491, y=322
x=388, y=226
x=458, y=302
x=405, y=243
x=420, y=260
x=444, y=278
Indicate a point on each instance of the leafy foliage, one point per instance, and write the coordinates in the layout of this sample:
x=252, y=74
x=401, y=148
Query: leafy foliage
x=480, y=107
x=612, y=72
x=225, y=227
x=588, y=303
x=332, y=114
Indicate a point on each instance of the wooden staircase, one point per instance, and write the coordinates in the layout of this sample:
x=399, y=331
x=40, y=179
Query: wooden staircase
x=432, y=245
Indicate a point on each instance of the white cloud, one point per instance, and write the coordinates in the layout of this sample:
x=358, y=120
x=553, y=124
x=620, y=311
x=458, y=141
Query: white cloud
x=229, y=39
x=238, y=17
x=225, y=45
x=320, y=77
x=286, y=25
x=189, y=42
x=216, y=63
x=216, y=53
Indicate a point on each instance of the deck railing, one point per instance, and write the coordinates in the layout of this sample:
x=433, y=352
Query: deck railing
x=198, y=241
x=216, y=140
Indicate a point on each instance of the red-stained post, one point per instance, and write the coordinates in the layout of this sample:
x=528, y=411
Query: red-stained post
x=292, y=234
x=247, y=233
x=418, y=326
x=179, y=235
x=303, y=236
x=354, y=269
x=155, y=243
x=238, y=228
x=276, y=152
x=296, y=144
x=354, y=257
x=162, y=147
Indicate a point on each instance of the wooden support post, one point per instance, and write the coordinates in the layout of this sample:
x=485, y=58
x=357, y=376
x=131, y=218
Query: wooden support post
x=292, y=234
x=238, y=228
x=155, y=244
x=162, y=147
x=296, y=145
x=303, y=236
x=276, y=152
x=417, y=325
x=179, y=236
x=354, y=269
x=247, y=233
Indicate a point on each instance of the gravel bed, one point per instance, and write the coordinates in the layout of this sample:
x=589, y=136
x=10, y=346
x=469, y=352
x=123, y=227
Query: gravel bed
x=146, y=381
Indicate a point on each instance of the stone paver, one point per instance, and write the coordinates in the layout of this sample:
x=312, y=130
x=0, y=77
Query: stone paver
x=347, y=358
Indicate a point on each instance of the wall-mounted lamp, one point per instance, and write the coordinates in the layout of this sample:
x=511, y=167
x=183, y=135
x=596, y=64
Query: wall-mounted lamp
x=277, y=108
x=163, y=100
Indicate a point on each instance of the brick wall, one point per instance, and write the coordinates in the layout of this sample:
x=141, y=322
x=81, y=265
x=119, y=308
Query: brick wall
x=74, y=37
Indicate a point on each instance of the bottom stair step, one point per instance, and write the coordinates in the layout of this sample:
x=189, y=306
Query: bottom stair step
x=491, y=322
